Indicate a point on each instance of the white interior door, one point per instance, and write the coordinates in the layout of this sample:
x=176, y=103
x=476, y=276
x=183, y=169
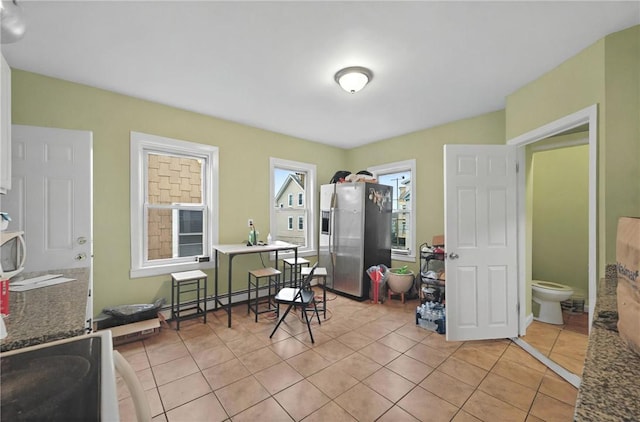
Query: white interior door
x=481, y=241
x=50, y=197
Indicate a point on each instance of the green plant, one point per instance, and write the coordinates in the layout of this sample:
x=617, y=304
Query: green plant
x=401, y=270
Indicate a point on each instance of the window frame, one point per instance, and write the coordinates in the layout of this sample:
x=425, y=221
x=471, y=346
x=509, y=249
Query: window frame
x=300, y=223
x=398, y=167
x=310, y=200
x=290, y=222
x=141, y=145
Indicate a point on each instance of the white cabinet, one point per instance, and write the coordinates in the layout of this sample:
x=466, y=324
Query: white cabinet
x=5, y=126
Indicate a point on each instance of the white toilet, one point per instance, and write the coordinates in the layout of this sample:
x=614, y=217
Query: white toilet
x=549, y=295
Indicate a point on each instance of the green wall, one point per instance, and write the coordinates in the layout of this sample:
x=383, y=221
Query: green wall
x=606, y=73
x=426, y=147
x=560, y=217
x=244, y=171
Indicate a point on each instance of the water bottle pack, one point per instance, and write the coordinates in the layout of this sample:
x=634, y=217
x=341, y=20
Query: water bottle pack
x=431, y=315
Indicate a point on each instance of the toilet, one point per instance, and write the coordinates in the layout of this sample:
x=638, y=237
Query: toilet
x=549, y=295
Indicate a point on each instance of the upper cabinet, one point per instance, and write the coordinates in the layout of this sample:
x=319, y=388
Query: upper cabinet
x=5, y=126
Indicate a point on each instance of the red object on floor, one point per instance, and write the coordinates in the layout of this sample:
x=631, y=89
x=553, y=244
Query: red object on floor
x=4, y=297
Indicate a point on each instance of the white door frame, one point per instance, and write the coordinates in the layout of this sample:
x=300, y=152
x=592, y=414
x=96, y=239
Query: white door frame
x=588, y=115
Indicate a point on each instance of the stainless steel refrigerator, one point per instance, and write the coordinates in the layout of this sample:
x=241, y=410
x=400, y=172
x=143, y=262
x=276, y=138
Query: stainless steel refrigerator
x=355, y=234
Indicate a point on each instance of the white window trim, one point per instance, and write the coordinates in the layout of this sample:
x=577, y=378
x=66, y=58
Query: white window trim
x=300, y=199
x=290, y=223
x=397, y=167
x=301, y=220
x=141, y=142
x=310, y=197
x=290, y=200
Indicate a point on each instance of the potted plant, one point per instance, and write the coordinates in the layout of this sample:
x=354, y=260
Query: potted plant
x=400, y=281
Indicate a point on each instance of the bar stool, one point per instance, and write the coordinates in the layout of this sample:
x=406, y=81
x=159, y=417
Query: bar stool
x=320, y=272
x=294, y=269
x=193, y=281
x=262, y=279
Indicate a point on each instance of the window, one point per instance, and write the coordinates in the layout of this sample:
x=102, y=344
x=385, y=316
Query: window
x=173, y=204
x=187, y=235
x=292, y=179
x=400, y=176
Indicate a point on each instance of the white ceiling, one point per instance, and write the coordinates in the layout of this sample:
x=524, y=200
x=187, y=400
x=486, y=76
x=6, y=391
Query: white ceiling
x=271, y=64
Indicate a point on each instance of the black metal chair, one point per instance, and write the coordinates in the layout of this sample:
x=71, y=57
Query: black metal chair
x=302, y=298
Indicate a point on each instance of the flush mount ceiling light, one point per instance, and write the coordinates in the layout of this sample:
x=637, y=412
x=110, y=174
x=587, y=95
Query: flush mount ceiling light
x=353, y=79
x=12, y=23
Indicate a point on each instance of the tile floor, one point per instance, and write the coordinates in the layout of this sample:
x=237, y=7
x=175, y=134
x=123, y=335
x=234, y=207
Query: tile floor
x=369, y=362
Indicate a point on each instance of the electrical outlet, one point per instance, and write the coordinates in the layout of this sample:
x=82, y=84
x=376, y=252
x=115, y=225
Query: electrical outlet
x=250, y=223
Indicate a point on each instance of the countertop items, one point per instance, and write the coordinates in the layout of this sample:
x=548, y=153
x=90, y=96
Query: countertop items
x=610, y=390
x=48, y=313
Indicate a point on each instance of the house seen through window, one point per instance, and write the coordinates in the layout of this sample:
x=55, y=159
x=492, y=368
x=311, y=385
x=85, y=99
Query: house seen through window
x=293, y=181
x=172, y=204
x=400, y=177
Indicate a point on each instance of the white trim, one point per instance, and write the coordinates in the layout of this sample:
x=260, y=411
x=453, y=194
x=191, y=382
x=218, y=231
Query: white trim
x=588, y=115
x=397, y=167
x=557, y=145
x=310, y=197
x=140, y=144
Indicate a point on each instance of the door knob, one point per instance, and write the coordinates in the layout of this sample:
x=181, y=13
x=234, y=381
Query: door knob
x=453, y=256
x=80, y=256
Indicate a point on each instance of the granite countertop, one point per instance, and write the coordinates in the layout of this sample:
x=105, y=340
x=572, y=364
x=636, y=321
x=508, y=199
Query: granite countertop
x=610, y=388
x=47, y=313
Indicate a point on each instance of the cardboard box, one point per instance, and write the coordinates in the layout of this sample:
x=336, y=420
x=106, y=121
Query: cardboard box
x=438, y=240
x=135, y=331
x=628, y=291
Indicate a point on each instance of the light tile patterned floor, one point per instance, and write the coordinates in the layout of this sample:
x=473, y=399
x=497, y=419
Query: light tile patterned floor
x=369, y=362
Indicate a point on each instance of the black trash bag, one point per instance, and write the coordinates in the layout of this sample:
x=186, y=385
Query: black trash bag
x=126, y=314
x=340, y=174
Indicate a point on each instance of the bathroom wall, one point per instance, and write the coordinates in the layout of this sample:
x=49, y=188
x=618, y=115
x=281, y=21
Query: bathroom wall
x=560, y=199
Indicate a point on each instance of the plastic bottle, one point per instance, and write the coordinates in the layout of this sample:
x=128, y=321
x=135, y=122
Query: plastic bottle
x=269, y=239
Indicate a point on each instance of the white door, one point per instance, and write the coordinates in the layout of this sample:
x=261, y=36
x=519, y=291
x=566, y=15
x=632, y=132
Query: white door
x=481, y=242
x=51, y=196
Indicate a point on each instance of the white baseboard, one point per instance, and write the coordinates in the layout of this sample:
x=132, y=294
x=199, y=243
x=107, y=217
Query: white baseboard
x=529, y=320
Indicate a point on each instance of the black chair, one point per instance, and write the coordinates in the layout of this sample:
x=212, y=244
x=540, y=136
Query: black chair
x=302, y=297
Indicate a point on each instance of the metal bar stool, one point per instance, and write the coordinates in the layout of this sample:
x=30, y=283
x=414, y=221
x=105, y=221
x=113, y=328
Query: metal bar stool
x=294, y=270
x=192, y=281
x=262, y=279
x=320, y=272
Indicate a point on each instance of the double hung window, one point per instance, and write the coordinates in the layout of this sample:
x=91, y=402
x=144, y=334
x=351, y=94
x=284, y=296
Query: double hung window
x=295, y=221
x=401, y=176
x=173, y=204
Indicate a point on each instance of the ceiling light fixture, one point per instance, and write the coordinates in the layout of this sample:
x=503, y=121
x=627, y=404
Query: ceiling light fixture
x=353, y=79
x=12, y=23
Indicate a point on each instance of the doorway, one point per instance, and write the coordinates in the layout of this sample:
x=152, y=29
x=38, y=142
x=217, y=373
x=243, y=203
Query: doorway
x=559, y=211
x=583, y=120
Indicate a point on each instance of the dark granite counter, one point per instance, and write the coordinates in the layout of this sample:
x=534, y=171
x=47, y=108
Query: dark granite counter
x=47, y=313
x=610, y=388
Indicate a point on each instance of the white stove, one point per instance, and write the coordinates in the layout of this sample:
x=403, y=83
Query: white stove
x=71, y=379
